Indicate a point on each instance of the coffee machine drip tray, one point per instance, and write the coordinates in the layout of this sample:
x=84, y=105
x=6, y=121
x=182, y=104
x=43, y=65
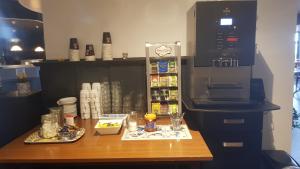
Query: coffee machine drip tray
x=221, y=102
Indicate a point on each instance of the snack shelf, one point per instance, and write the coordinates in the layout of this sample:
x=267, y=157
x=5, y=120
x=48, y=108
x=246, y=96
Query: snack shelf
x=165, y=73
x=157, y=58
x=165, y=87
x=163, y=69
x=164, y=101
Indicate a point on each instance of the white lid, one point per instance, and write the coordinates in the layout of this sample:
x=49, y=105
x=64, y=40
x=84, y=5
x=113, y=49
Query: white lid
x=67, y=100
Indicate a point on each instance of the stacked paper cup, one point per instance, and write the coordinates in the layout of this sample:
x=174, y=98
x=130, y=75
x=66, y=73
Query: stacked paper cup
x=85, y=101
x=84, y=104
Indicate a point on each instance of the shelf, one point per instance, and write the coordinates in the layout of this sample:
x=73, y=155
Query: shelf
x=162, y=58
x=165, y=87
x=164, y=101
x=165, y=73
x=98, y=62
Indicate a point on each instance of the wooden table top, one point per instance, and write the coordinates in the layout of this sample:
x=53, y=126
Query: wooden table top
x=94, y=148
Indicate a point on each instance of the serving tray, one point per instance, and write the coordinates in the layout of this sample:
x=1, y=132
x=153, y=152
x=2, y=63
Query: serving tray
x=35, y=138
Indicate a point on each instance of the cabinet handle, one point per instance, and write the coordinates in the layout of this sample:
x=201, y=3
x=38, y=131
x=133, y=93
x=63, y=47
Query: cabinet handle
x=234, y=121
x=233, y=144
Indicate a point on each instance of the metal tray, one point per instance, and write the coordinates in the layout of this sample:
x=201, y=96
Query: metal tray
x=35, y=138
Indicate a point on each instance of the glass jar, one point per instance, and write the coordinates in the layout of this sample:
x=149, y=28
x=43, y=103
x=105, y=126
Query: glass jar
x=58, y=111
x=150, y=120
x=50, y=126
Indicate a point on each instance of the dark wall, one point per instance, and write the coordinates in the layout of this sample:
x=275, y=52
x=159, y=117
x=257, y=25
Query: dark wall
x=64, y=79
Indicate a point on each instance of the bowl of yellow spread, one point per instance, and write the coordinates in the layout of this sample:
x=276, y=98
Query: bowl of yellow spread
x=108, y=126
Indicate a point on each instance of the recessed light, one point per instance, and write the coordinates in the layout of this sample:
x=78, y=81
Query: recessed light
x=39, y=49
x=16, y=48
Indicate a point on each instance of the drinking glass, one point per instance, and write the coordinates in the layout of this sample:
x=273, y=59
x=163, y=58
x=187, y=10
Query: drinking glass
x=132, y=121
x=176, y=120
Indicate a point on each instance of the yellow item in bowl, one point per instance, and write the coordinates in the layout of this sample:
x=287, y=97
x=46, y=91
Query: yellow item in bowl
x=107, y=126
x=104, y=125
x=150, y=116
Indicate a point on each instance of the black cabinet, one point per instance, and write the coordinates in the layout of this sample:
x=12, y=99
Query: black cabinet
x=234, y=142
x=234, y=135
x=19, y=114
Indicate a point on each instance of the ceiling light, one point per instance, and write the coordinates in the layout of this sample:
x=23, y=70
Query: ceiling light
x=16, y=48
x=39, y=49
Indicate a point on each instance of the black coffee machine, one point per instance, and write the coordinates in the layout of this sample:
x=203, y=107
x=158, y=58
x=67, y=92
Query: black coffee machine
x=221, y=43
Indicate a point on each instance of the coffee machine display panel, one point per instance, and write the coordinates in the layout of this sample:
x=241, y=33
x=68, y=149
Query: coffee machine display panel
x=225, y=33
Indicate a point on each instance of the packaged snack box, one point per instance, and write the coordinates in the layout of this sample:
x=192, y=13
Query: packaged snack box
x=154, y=67
x=163, y=66
x=172, y=67
x=173, y=94
x=163, y=81
x=173, y=108
x=154, y=81
x=155, y=108
x=173, y=80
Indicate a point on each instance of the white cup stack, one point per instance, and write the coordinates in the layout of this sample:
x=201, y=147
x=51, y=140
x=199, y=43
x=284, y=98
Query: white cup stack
x=86, y=86
x=95, y=104
x=84, y=104
x=90, y=101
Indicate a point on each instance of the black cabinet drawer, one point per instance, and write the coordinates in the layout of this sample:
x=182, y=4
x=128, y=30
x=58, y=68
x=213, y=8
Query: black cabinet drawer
x=233, y=144
x=232, y=121
x=234, y=150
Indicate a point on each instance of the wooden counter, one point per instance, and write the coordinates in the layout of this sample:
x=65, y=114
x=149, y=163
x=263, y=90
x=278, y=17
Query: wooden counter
x=94, y=148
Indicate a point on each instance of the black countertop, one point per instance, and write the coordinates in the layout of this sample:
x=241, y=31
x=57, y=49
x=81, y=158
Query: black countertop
x=259, y=107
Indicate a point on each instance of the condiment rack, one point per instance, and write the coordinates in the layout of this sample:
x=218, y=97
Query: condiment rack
x=163, y=69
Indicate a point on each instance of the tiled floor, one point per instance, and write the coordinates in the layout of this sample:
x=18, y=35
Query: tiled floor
x=296, y=131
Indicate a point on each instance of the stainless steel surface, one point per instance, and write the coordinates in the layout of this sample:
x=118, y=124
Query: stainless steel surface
x=216, y=83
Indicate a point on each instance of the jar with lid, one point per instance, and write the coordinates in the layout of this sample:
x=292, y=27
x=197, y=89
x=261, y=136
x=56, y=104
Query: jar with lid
x=58, y=111
x=150, y=120
x=50, y=125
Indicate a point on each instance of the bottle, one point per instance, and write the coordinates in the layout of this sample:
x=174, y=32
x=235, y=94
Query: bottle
x=74, y=50
x=107, y=47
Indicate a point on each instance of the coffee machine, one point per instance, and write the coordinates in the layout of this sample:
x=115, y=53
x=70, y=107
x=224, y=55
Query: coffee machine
x=221, y=50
